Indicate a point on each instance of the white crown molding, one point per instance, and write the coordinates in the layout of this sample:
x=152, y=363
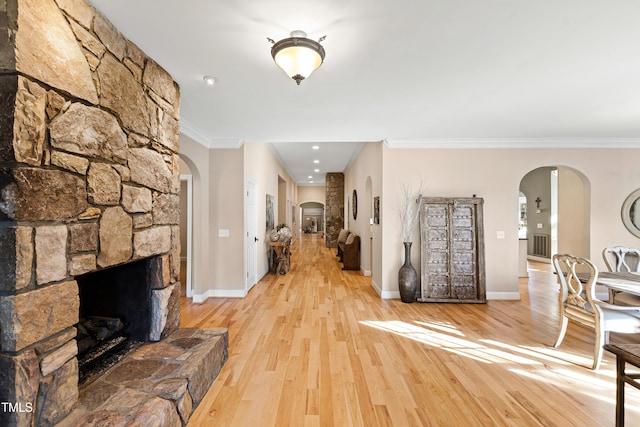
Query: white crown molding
x=355, y=154
x=514, y=143
x=227, y=143
x=198, y=136
x=194, y=133
x=278, y=158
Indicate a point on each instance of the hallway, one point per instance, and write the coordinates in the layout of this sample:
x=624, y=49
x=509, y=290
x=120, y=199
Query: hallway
x=317, y=346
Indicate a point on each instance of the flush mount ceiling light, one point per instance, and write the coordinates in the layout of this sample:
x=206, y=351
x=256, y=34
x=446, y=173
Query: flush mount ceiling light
x=297, y=55
x=210, y=81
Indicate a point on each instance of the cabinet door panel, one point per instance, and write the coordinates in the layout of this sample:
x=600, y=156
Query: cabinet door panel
x=452, y=250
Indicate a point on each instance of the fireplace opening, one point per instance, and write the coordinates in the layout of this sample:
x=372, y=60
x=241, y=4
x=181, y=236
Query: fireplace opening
x=114, y=316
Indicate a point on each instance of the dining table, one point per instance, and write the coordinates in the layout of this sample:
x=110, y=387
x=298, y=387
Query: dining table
x=628, y=282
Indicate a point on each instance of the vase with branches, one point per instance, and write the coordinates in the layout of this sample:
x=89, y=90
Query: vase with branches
x=409, y=212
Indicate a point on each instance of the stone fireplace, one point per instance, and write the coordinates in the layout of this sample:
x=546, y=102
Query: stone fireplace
x=89, y=183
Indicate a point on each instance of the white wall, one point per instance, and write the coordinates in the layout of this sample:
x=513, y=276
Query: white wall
x=315, y=193
x=573, y=213
x=197, y=158
x=495, y=174
x=262, y=166
x=367, y=165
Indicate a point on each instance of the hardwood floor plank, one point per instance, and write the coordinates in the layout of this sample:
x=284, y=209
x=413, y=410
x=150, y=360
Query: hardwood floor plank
x=318, y=347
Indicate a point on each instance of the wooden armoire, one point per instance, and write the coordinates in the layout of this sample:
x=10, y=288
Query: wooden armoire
x=452, y=250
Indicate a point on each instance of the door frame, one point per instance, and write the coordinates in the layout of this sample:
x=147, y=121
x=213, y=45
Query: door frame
x=249, y=282
x=189, y=282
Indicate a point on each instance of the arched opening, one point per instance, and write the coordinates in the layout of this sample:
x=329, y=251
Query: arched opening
x=189, y=178
x=556, y=212
x=312, y=217
x=367, y=244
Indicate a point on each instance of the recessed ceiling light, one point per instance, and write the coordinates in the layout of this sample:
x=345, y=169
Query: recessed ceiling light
x=310, y=182
x=315, y=147
x=316, y=170
x=210, y=81
x=316, y=161
x=310, y=176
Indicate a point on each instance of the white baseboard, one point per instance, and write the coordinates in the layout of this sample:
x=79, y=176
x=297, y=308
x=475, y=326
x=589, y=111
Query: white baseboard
x=218, y=293
x=490, y=295
x=539, y=259
x=366, y=273
x=375, y=287
x=385, y=294
x=503, y=295
x=390, y=295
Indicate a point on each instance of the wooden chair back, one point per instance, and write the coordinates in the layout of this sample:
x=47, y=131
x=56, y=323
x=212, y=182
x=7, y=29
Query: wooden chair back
x=622, y=258
x=577, y=277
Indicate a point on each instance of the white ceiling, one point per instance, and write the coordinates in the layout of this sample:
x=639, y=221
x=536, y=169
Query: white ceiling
x=407, y=72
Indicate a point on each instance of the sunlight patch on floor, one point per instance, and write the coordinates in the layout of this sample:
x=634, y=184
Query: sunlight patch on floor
x=531, y=361
x=458, y=345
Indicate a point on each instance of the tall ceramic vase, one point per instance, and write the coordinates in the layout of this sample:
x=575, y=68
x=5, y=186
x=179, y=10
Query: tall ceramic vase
x=407, y=277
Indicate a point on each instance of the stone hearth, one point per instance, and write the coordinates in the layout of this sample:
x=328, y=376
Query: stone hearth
x=89, y=180
x=162, y=381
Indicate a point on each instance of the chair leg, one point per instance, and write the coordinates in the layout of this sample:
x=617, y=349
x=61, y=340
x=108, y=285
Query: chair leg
x=601, y=338
x=563, y=330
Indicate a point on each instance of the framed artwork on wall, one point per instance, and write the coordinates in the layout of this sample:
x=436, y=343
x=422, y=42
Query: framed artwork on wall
x=354, y=204
x=270, y=217
x=376, y=210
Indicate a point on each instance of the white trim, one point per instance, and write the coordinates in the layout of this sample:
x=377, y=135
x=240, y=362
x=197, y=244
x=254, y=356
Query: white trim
x=375, y=287
x=218, y=293
x=503, y=295
x=466, y=143
x=250, y=183
x=198, y=136
x=226, y=143
x=539, y=259
x=189, y=284
x=194, y=133
x=390, y=295
x=365, y=273
x=354, y=155
x=278, y=157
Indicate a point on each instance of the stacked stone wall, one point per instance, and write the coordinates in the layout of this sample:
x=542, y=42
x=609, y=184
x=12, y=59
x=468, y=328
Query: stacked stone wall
x=334, y=183
x=89, y=179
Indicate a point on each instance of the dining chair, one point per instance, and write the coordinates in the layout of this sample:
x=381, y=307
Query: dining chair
x=578, y=302
x=625, y=259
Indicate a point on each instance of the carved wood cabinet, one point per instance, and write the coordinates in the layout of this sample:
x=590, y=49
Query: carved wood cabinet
x=452, y=250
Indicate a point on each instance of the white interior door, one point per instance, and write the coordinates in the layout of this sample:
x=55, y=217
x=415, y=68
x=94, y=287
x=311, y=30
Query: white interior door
x=251, y=226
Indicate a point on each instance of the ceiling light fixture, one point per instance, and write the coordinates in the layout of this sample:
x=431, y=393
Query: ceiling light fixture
x=297, y=55
x=316, y=161
x=210, y=81
x=316, y=147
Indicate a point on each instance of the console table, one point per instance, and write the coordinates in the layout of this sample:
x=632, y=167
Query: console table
x=625, y=353
x=280, y=263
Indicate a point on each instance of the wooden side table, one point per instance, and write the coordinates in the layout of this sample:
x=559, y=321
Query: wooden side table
x=282, y=259
x=625, y=353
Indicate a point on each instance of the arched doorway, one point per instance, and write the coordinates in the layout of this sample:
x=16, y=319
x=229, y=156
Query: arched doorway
x=312, y=217
x=557, y=212
x=188, y=171
x=367, y=245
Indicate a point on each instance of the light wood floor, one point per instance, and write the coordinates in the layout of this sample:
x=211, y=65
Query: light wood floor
x=318, y=347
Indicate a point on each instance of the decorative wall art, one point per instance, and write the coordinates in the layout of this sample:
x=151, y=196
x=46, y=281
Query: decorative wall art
x=354, y=204
x=376, y=210
x=270, y=216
